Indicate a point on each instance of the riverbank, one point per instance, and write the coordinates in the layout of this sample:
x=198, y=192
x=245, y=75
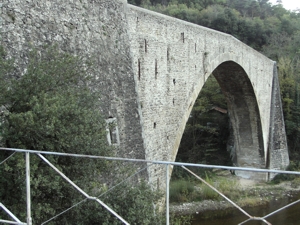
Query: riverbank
x=254, y=194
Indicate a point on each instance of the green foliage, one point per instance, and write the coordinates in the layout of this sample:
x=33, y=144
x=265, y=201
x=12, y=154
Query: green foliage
x=296, y=182
x=268, y=28
x=253, y=22
x=180, y=190
x=207, y=192
x=206, y=133
x=294, y=166
x=183, y=190
x=52, y=107
x=55, y=106
x=181, y=219
x=134, y=203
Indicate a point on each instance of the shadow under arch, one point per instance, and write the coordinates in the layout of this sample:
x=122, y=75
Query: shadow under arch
x=243, y=112
x=244, y=116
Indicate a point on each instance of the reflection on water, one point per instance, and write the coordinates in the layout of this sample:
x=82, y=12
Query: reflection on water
x=289, y=216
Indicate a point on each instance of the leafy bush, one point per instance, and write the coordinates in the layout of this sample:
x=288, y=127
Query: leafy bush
x=207, y=192
x=187, y=191
x=180, y=190
x=294, y=166
x=54, y=106
x=135, y=204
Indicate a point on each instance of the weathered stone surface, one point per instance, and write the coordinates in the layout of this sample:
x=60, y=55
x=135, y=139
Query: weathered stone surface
x=93, y=29
x=152, y=68
x=172, y=60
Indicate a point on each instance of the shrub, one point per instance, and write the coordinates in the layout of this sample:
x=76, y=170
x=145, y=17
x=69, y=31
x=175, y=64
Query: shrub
x=294, y=166
x=180, y=190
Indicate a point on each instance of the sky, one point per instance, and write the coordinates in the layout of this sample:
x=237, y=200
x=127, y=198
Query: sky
x=288, y=4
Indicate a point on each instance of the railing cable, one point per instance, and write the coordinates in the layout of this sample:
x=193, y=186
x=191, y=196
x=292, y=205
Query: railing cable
x=154, y=161
x=7, y=158
x=235, y=205
x=151, y=162
x=82, y=192
x=110, y=189
x=199, y=178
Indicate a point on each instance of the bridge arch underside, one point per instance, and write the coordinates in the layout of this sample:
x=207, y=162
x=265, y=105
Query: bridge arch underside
x=244, y=116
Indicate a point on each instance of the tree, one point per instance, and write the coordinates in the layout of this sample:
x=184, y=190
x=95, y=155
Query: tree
x=55, y=106
x=52, y=107
x=206, y=133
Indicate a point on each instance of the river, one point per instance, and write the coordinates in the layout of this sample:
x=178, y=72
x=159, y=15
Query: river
x=289, y=216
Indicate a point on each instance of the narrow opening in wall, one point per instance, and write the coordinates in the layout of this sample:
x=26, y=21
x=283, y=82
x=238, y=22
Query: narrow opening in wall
x=154, y=125
x=137, y=19
x=145, y=45
x=139, y=69
x=174, y=81
x=112, y=131
x=156, y=70
x=195, y=47
x=173, y=101
x=182, y=37
x=168, y=54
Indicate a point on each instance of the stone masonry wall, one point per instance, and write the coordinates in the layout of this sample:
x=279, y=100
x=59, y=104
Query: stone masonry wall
x=172, y=60
x=96, y=29
x=278, y=155
x=151, y=67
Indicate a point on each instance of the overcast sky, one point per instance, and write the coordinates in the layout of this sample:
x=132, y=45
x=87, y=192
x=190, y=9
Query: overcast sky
x=289, y=4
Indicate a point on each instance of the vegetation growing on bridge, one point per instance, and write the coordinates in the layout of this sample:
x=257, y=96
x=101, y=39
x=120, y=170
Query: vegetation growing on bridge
x=270, y=29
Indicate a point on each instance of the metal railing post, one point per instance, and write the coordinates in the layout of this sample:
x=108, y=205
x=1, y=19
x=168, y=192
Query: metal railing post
x=28, y=198
x=81, y=191
x=167, y=195
x=167, y=163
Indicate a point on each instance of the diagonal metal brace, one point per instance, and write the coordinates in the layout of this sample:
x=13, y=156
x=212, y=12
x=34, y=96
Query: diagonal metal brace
x=11, y=215
x=81, y=191
x=255, y=218
x=235, y=205
x=12, y=222
x=284, y=207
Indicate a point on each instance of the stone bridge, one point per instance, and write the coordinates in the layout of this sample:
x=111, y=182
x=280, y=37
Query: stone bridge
x=172, y=59
x=152, y=68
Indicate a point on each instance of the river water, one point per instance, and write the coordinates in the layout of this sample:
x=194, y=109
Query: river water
x=289, y=216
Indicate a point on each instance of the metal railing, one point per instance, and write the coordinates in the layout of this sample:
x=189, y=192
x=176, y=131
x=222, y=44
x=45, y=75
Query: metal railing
x=151, y=162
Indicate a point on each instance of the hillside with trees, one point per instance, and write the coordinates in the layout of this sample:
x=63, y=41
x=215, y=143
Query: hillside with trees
x=270, y=29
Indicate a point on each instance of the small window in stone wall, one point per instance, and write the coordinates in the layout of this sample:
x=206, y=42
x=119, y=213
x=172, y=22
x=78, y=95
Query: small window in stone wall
x=182, y=37
x=156, y=69
x=139, y=69
x=112, y=131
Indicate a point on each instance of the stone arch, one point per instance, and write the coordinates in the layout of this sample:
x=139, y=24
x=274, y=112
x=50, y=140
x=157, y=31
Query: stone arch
x=244, y=115
x=243, y=109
